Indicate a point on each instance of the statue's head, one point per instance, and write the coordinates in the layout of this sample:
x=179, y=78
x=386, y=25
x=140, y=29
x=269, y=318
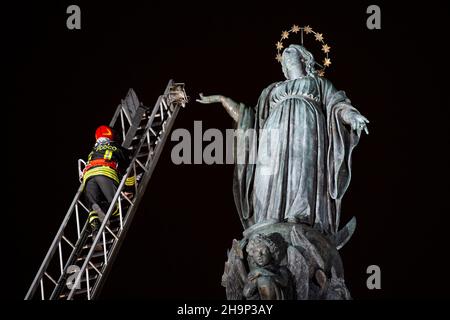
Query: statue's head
x=262, y=250
x=297, y=62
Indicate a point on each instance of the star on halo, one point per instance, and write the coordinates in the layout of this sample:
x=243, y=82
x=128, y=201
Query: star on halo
x=308, y=29
x=295, y=28
x=319, y=37
x=278, y=57
x=326, y=48
x=279, y=45
x=284, y=35
x=326, y=62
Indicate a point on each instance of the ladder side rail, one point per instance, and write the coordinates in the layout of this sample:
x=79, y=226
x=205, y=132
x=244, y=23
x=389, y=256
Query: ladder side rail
x=126, y=113
x=133, y=128
x=116, y=116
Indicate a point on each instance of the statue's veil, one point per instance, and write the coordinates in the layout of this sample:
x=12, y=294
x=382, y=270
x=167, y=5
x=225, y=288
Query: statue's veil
x=307, y=59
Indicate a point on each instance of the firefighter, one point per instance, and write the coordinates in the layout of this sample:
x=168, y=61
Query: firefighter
x=106, y=165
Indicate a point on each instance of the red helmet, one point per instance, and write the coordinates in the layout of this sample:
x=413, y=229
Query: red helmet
x=104, y=132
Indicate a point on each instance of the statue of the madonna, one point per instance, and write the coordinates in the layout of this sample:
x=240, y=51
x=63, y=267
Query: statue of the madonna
x=317, y=129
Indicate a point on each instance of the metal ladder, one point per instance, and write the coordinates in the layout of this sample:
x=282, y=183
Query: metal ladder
x=76, y=265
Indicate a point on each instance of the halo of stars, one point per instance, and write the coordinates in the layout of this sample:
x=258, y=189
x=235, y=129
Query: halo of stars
x=318, y=37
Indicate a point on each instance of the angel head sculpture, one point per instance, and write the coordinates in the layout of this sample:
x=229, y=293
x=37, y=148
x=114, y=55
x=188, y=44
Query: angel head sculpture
x=262, y=250
x=266, y=280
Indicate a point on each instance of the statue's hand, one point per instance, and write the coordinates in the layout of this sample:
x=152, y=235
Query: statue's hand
x=209, y=99
x=357, y=122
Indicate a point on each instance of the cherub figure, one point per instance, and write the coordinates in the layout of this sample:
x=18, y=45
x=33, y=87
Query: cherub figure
x=267, y=280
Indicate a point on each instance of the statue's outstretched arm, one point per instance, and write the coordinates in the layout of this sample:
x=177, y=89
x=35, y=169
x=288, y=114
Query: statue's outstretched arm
x=229, y=104
x=349, y=115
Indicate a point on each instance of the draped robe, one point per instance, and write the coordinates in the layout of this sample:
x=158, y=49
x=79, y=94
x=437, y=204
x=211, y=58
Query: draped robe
x=309, y=166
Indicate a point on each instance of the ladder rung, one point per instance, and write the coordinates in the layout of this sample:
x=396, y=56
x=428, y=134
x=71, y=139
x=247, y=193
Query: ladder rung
x=76, y=292
x=106, y=231
x=88, y=246
x=92, y=276
x=114, y=220
x=142, y=154
x=144, y=148
x=98, y=265
x=94, y=255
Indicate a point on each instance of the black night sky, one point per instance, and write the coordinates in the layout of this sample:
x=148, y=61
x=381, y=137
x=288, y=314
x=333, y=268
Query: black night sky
x=67, y=82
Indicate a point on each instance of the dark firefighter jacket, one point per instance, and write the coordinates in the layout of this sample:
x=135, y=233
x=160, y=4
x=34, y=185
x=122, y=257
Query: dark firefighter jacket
x=111, y=160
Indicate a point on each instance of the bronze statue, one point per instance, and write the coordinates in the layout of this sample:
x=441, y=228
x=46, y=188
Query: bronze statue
x=298, y=193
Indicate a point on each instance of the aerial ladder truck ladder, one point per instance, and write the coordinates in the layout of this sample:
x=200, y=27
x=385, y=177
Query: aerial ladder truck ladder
x=78, y=262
